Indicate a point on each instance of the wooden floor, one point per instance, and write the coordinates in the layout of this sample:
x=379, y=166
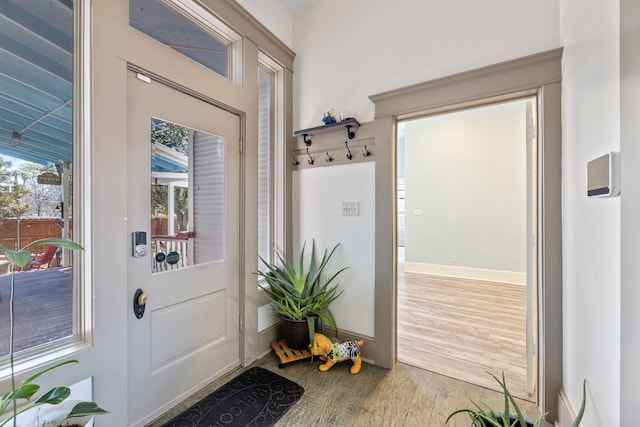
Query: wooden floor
x=42, y=307
x=463, y=329
x=404, y=396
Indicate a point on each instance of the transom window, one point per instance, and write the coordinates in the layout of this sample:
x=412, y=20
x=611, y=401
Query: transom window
x=189, y=29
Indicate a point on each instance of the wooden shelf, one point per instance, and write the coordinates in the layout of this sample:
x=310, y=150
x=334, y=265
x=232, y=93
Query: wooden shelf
x=348, y=124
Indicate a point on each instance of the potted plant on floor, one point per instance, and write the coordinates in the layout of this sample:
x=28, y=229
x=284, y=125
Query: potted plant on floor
x=27, y=389
x=484, y=416
x=301, y=295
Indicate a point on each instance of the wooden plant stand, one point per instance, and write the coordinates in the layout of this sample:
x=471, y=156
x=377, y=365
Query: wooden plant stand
x=288, y=355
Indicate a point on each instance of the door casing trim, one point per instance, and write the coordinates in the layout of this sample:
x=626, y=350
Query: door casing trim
x=538, y=74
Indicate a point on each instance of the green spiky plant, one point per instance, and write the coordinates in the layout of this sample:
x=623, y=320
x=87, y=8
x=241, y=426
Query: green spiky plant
x=27, y=389
x=484, y=416
x=302, y=293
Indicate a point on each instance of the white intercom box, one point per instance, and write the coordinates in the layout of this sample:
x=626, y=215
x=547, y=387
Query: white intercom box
x=603, y=175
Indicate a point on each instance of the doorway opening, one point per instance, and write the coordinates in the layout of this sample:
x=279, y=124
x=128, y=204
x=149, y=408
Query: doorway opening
x=467, y=202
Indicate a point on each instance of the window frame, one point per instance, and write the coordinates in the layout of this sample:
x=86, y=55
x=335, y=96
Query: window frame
x=81, y=336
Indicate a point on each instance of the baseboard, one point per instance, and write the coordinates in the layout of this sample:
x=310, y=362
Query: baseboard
x=501, y=276
x=566, y=413
x=265, y=338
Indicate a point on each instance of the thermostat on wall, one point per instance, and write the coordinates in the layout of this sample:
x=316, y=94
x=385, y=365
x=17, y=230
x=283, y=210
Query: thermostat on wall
x=603, y=175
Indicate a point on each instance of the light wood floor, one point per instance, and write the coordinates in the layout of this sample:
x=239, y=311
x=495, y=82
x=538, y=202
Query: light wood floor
x=403, y=396
x=463, y=329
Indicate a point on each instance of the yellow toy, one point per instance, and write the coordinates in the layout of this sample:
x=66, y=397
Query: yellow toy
x=333, y=352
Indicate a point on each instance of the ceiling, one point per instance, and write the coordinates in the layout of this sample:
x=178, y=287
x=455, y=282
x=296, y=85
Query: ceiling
x=36, y=70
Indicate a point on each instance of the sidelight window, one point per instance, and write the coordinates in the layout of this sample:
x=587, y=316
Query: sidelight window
x=38, y=94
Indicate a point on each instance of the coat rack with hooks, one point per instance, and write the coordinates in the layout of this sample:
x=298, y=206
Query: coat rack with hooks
x=347, y=152
x=335, y=150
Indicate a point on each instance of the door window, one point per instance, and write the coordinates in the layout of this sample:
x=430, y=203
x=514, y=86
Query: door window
x=187, y=204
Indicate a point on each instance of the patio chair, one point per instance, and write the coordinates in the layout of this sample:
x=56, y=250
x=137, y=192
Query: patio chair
x=39, y=260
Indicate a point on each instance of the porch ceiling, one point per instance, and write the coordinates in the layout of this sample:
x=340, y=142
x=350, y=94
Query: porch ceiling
x=36, y=70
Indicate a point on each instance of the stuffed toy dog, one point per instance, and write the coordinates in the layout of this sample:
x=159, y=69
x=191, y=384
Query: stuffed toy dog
x=334, y=351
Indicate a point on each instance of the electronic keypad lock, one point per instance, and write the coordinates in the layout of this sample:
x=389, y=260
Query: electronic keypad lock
x=139, y=243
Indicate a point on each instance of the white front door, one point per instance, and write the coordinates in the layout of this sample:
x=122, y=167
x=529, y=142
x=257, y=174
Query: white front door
x=189, y=332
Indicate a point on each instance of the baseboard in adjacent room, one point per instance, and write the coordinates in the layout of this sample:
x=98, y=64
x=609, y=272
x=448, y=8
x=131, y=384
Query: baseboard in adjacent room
x=501, y=276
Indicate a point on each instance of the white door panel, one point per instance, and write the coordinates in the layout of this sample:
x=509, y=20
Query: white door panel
x=189, y=333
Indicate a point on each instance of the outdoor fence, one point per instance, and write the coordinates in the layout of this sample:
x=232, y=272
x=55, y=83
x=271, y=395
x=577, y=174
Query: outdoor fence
x=31, y=229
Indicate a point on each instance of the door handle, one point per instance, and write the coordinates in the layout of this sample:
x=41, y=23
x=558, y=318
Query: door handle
x=139, y=303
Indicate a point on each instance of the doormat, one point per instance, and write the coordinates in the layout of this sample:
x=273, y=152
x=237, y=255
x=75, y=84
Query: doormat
x=256, y=398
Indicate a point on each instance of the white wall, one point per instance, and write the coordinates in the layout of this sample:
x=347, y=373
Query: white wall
x=350, y=49
x=466, y=176
x=590, y=33
x=272, y=14
x=317, y=214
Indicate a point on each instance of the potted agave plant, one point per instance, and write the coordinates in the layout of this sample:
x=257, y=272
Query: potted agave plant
x=11, y=414
x=302, y=295
x=484, y=416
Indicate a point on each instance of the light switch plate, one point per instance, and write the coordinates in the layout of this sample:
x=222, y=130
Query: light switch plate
x=350, y=208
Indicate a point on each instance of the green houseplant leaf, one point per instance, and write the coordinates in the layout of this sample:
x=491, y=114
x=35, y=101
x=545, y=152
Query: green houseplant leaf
x=82, y=409
x=54, y=396
x=303, y=291
x=484, y=416
x=578, y=419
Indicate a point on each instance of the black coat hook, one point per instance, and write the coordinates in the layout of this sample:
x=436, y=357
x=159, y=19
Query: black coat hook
x=310, y=161
x=350, y=134
x=329, y=158
x=367, y=153
x=295, y=161
x=349, y=155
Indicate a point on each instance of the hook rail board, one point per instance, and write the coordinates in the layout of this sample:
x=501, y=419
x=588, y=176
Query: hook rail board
x=346, y=152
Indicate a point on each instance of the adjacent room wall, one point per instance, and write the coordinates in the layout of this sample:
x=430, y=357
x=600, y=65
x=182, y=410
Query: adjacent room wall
x=590, y=31
x=465, y=190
